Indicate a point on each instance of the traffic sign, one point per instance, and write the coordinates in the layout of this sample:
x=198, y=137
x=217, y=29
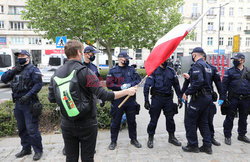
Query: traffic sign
x=61, y=41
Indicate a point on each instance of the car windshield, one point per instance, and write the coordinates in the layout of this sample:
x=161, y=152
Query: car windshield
x=54, y=61
x=5, y=61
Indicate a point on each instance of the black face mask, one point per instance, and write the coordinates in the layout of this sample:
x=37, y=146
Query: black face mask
x=92, y=58
x=126, y=63
x=164, y=64
x=193, y=59
x=236, y=63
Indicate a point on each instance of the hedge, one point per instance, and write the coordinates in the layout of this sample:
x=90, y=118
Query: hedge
x=50, y=118
x=103, y=73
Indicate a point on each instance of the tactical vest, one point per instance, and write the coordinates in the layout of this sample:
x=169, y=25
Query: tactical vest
x=73, y=103
x=19, y=82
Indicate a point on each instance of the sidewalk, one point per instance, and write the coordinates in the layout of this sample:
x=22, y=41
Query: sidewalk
x=162, y=151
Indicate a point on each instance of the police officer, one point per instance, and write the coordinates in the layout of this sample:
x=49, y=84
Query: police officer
x=89, y=57
x=121, y=77
x=238, y=88
x=83, y=130
x=212, y=108
x=196, y=113
x=26, y=82
x=161, y=82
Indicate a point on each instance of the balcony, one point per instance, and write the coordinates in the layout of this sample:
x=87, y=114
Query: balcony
x=247, y=17
x=195, y=15
x=211, y=15
x=247, y=31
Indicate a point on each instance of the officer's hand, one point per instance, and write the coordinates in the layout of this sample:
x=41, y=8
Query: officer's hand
x=220, y=102
x=186, y=75
x=180, y=103
x=102, y=103
x=17, y=68
x=24, y=99
x=125, y=86
x=131, y=91
x=184, y=97
x=147, y=105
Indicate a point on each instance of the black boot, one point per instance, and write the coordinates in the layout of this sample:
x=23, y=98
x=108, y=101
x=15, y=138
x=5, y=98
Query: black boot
x=112, y=145
x=214, y=142
x=172, y=139
x=228, y=140
x=244, y=139
x=23, y=153
x=37, y=156
x=135, y=143
x=150, y=141
x=206, y=149
x=190, y=149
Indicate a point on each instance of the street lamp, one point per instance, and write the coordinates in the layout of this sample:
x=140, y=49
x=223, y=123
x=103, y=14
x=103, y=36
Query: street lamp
x=219, y=25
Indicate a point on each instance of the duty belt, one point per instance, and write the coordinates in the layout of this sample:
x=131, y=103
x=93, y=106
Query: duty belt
x=153, y=92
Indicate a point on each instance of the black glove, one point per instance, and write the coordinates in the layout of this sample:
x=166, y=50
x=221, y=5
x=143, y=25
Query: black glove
x=180, y=103
x=24, y=99
x=147, y=105
x=17, y=68
x=103, y=103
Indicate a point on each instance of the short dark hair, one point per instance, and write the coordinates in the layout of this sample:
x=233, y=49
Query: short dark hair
x=71, y=48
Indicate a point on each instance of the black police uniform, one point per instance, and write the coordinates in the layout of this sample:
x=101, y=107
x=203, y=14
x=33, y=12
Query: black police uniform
x=92, y=67
x=161, y=82
x=196, y=115
x=28, y=83
x=84, y=130
x=117, y=76
x=239, y=98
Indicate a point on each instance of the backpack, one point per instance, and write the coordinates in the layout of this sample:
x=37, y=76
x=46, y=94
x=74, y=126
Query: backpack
x=72, y=101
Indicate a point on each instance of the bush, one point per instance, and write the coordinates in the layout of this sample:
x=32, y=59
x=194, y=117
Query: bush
x=103, y=74
x=103, y=115
x=141, y=72
x=7, y=119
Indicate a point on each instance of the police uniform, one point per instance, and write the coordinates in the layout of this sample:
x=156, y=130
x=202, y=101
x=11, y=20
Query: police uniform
x=196, y=113
x=239, y=98
x=161, y=82
x=212, y=109
x=118, y=76
x=92, y=67
x=28, y=83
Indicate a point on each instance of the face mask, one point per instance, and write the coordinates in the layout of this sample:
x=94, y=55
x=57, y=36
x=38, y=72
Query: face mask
x=21, y=61
x=164, y=64
x=236, y=63
x=92, y=58
x=126, y=63
x=193, y=59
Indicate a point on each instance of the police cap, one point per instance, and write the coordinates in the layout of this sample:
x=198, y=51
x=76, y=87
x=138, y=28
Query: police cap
x=238, y=56
x=23, y=52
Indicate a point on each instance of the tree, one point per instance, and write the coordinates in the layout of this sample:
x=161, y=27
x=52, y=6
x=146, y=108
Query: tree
x=113, y=23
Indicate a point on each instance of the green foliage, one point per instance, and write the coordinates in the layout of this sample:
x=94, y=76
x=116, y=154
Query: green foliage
x=141, y=72
x=113, y=23
x=103, y=116
x=7, y=119
x=103, y=73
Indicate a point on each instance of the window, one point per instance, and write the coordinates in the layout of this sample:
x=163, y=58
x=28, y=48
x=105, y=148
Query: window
x=248, y=26
x=209, y=41
x=230, y=26
x=248, y=11
x=16, y=25
x=17, y=40
x=231, y=11
x=248, y=41
x=16, y=10
x=230, y=41
x=240, y=11
x=35, y=40
x=195, y=37
x=221, y=42
x=1, y=24
x=239, y=27
x=211, y=11
x=222, y=26
x=195, y=10
x=181, y=10
x=1, y=8
x=210, y=26
x=138, y=55
x=240, y=0
x=211, y=1
x=222, y=11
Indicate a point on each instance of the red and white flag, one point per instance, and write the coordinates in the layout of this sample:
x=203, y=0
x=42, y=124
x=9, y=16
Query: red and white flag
x=165, y=46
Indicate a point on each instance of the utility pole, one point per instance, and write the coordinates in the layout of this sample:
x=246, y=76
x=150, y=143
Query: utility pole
x=202, y=23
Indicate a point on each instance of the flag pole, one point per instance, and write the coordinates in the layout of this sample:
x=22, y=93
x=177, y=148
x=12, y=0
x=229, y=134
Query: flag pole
x=129, y=96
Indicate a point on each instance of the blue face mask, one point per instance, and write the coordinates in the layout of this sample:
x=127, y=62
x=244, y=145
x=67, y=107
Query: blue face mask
x=21, y=61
